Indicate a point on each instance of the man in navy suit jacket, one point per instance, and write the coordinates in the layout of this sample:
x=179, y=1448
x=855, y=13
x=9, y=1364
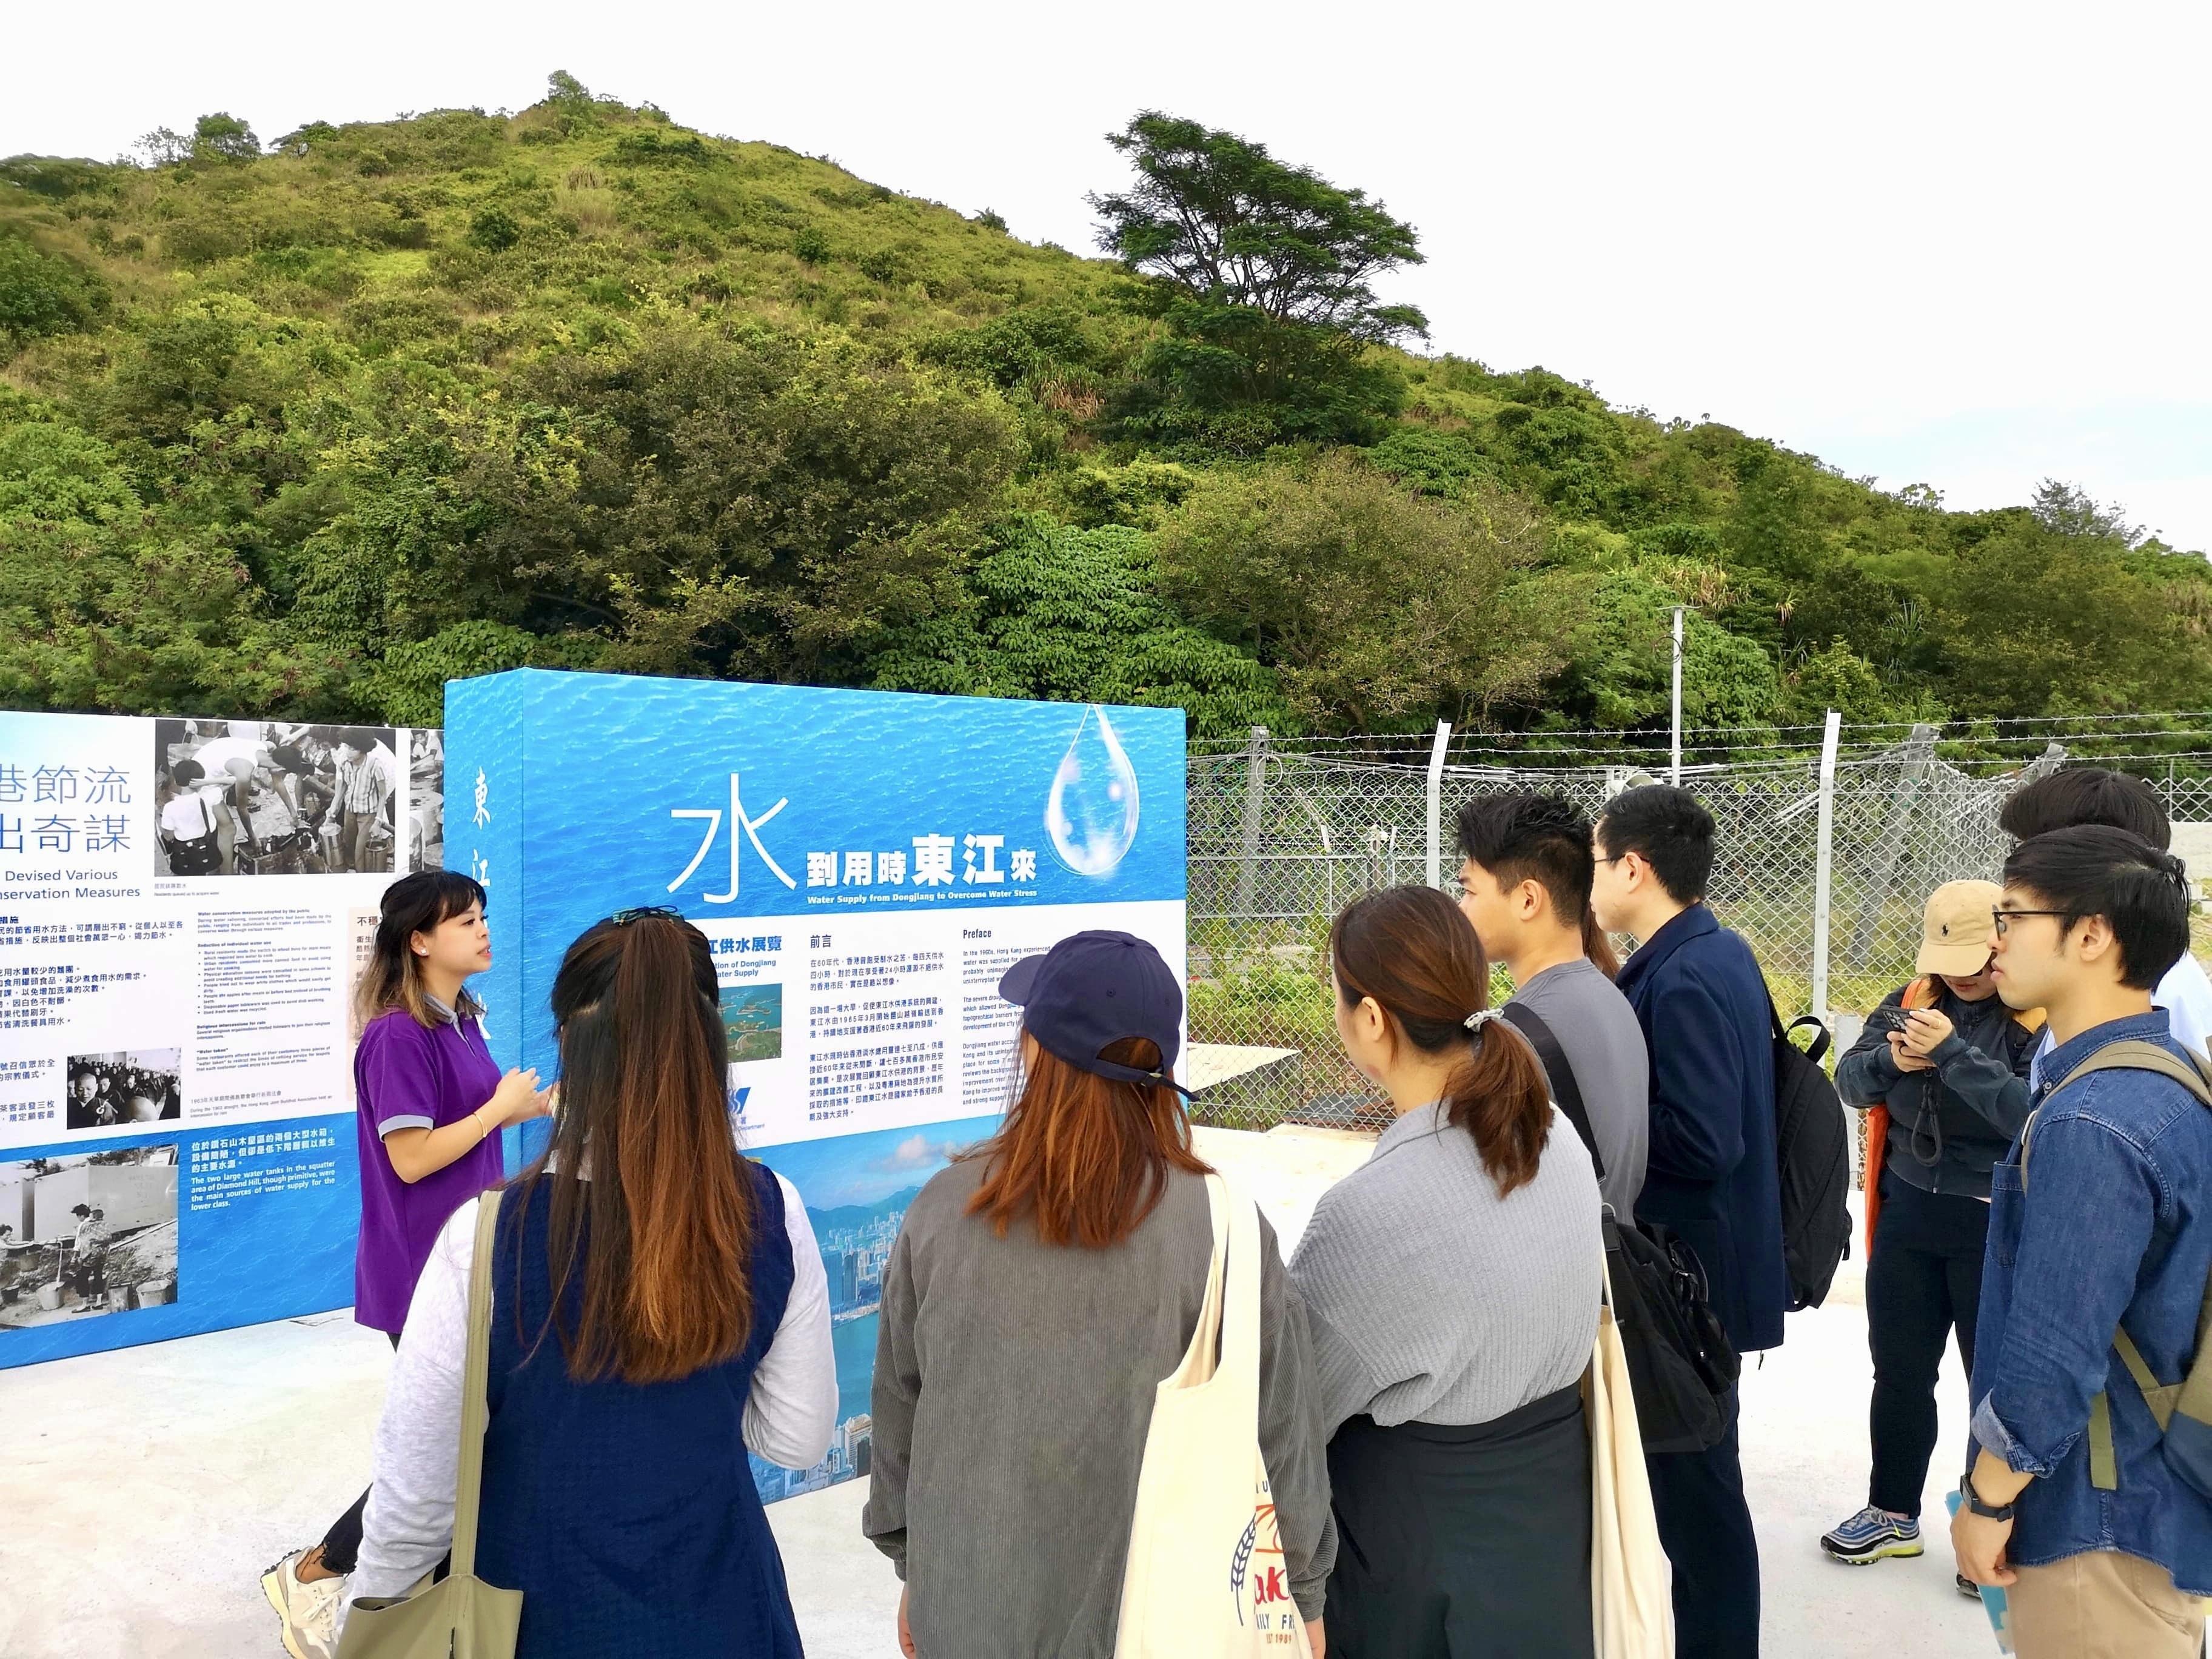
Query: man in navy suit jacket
x=1702, y=1001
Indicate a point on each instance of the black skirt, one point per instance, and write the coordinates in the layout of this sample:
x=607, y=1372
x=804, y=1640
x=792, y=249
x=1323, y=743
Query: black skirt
x=1456, y=1543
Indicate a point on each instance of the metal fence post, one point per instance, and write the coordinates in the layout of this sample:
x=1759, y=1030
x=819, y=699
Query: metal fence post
x=1256, y=782
x=1823, y=863
x=1674, y=770
x=1437, y=804
x=1919, y=755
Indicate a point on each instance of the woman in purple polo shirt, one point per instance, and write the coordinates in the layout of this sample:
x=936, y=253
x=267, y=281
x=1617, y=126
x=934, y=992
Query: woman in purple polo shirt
x=430, y=1104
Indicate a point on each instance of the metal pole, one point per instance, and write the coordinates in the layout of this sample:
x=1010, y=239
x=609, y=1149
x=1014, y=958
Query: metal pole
x=1674, y=775
x=1255, y=781
x=1437, y=804
x=1823, y=863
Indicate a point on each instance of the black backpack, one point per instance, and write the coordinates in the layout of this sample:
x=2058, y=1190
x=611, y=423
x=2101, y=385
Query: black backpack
x=1680, y=1366
x=1813, y=1157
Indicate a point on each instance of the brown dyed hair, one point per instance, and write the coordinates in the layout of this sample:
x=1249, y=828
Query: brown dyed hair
x=1410, y=950
x=1087, y=1156
x=651, y=1207
x=392, y=977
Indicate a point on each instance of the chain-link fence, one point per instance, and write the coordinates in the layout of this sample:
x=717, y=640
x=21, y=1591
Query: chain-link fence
x=1281, y=838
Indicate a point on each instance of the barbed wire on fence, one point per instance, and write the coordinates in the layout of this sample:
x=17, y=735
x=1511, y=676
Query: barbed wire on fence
x=1283, y=834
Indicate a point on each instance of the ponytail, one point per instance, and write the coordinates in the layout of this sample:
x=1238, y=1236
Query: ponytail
x=1598, y=946
x=660, y=1236
x=1410, y=950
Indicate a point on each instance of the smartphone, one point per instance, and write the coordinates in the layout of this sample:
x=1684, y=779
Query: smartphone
x=1888, y=1019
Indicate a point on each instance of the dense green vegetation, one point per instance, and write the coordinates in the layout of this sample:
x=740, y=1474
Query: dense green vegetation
x=309, y=430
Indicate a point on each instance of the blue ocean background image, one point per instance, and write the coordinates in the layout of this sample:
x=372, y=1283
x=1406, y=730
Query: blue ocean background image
x=627, y=786
x=856, y=1189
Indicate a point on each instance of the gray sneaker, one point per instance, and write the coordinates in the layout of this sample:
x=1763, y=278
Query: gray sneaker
x=309, y=1612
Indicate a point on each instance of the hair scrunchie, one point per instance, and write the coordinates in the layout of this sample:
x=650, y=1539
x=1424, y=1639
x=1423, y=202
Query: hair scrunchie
x=1480, y=1018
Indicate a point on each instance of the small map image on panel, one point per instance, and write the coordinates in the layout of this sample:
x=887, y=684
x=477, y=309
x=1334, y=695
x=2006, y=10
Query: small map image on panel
x=753, y=1016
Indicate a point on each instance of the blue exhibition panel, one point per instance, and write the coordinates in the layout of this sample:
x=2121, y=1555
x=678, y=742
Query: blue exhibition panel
x=865, y=866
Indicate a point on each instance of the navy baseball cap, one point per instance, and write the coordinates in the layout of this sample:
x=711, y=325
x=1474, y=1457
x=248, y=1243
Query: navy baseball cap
x=1095, y=989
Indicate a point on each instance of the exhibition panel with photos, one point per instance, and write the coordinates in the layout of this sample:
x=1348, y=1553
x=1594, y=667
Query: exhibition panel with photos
x=175, y=1049
x=866, y=867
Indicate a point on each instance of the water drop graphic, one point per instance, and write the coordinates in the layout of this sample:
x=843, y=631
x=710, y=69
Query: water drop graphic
x=1091, y=813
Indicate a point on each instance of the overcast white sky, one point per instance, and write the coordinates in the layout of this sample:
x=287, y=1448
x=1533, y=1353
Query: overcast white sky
x=1958, y=244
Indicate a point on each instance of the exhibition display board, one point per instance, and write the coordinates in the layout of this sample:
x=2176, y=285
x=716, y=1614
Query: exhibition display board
x=183, y=905
x=866, y=866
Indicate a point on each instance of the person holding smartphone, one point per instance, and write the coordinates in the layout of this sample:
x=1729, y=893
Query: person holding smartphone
x=1947, y=1061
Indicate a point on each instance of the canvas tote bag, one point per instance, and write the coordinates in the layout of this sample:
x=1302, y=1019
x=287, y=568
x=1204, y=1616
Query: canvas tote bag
x=1205, y=1578
x=1632, y=1585
x=460, y=1616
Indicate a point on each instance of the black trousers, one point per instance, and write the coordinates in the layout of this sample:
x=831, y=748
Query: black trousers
x=1923, y=1282
x=342, y=1543
x=1704, y=1526
x=1463, y=1542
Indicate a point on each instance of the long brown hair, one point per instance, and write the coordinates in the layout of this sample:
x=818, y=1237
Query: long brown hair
x=392, y=977
x=660, y=1227
x=1410, y=950
x=1087, y=1156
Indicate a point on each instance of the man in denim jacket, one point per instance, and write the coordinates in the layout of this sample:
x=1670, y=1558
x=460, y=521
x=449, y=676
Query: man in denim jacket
x=2115, y=1230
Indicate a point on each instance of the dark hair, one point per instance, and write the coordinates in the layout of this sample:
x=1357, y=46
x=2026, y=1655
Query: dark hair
x=1087, y=1156
x=1670, y=830
x=651, y=1204
x=393, y=978
x=2082, y=795
x=187, y=772
x=1410, y=950
x=1540, y=838
x=2094, y=870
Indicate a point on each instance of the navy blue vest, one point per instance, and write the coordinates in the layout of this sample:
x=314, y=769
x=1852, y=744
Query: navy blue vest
x=626, y=1513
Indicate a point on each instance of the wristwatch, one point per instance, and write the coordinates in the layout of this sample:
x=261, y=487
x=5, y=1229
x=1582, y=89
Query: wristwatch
x=1972, y=1500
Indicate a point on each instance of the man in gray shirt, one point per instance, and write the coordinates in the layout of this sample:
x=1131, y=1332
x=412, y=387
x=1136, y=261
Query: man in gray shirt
x=1525, y=885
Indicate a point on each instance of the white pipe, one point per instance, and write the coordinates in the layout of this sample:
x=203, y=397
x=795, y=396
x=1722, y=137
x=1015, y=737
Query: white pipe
x=1823, y=863
x=1436, y=804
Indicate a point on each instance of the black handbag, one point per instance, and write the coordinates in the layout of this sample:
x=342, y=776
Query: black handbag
x=1680, y=1364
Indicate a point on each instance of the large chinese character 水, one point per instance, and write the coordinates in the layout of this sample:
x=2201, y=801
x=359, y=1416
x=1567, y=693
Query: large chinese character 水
x=738, y=819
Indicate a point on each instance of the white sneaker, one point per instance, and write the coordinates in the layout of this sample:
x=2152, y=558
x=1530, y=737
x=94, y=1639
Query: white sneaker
x=309, y=1611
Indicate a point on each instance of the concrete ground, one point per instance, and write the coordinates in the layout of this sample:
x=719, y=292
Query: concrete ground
x=143, y=1492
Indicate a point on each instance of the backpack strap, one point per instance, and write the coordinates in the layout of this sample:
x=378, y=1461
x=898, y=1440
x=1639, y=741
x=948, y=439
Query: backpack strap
x=1560, y=1073
x=2194, y=1074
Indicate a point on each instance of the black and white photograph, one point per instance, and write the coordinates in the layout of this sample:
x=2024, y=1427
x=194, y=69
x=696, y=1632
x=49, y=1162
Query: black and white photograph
x=426, y=798
x=83, y=1236
x=121, y=1089
x=266, y=798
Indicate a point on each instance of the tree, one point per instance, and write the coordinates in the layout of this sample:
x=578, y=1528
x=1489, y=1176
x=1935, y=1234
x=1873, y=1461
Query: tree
x=1221, y=220
x=223, y=138
x=1263, y=273
x=1072, y=615
x=2068, y=510
x=1378, y=609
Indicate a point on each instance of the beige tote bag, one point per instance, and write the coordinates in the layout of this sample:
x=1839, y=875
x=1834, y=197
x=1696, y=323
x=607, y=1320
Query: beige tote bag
x=460, y=1616
x=1205, y=1578
x=1631, y=1584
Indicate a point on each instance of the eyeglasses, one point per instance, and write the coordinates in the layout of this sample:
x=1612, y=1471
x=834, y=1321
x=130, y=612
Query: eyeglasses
x=623, y=917
x=2002, y=920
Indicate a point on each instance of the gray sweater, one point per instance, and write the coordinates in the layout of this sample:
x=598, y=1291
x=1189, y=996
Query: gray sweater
x=1014, y=1388
x=1433, y=1300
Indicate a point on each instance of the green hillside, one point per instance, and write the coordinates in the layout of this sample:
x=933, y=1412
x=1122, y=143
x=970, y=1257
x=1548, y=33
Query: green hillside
x=304, y=432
